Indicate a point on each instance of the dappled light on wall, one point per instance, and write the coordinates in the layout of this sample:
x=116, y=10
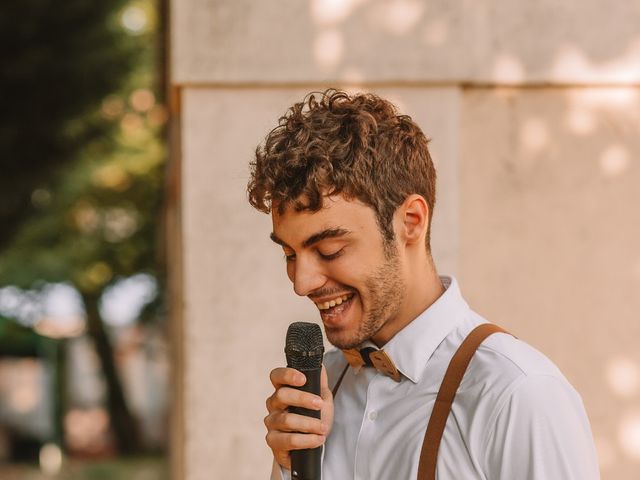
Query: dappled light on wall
x=328, y=49
x=571, y=64
x=332, y=12
x=580, y=121
x=623, y=377
x=507, y=69
x=614, y=160
x=534, y=135
x=396, y=17
x=629, y=434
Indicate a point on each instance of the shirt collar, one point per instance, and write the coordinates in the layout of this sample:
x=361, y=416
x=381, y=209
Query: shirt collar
x=411, y=347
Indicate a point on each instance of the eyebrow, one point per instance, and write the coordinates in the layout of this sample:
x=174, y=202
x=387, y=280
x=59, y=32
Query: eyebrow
x=315, y=238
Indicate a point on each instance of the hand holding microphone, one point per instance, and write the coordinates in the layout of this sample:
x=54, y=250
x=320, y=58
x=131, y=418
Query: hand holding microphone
x=301, y=408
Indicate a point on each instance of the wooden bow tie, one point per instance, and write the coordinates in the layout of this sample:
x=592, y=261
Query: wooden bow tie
x=370, y=357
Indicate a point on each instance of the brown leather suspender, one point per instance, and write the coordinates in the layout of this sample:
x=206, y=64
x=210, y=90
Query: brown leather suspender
x=448, y=388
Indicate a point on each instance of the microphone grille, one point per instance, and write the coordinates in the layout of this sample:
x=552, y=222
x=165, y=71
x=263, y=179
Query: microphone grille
x=304, y=346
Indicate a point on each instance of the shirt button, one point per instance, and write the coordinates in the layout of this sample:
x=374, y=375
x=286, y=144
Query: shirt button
x=373, y=415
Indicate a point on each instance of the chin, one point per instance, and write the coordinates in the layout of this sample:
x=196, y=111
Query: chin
x=342, y=339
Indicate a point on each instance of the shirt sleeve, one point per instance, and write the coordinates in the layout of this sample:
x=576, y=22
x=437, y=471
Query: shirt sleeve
x=279, y=473
x=541, y=432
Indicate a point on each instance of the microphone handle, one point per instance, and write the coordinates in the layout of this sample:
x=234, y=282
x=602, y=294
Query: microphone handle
x=307, y=464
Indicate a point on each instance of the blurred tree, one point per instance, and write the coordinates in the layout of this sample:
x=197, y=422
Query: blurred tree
x=17, y=340
x=97, y=220
x=58, y=61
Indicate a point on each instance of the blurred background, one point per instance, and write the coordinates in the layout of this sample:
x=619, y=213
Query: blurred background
x=84, y=359
x=142, y=303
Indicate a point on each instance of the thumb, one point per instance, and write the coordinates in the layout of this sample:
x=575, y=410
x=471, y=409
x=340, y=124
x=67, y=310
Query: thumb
x=325, y=391
x=327, y=397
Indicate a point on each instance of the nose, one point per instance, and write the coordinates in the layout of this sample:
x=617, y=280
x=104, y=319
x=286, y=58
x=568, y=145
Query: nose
x=306, y=276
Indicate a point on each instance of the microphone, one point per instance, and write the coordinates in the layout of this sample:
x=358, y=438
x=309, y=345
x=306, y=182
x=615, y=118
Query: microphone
x=304, y=349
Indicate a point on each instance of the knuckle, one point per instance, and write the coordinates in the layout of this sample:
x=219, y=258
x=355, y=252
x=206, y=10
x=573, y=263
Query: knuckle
x=274, y=376
x=280, y=395
x=269, y=439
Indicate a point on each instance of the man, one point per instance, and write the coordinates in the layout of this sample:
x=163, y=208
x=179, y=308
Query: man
x=350, y=186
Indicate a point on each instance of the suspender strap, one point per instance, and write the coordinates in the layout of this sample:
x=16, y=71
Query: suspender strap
x=448, y=388
x=337, y=385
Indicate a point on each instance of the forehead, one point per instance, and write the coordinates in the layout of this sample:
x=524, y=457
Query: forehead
x=336, y=212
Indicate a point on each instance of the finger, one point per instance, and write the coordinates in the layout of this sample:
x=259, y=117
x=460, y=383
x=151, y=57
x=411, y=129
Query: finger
x=283, y=458
x=287, y=376
x=325, y=391
x=284, y=441
x=286, y=397
x=294, y=423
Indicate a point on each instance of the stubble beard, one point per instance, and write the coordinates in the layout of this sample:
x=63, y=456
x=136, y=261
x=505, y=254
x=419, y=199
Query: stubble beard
x=385, y=292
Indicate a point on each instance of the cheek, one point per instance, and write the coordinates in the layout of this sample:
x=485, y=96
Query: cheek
x=347, y=274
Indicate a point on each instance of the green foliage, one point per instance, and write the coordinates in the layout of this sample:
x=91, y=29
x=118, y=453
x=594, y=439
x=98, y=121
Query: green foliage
x=59, y=59
x=18, y=340
x=98, y=219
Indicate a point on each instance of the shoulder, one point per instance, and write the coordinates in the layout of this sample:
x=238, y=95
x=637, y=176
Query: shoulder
x=521, y=409
x=505, y=369
x=503, y=359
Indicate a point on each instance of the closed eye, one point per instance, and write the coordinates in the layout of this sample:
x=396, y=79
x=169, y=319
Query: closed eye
x=331, y=256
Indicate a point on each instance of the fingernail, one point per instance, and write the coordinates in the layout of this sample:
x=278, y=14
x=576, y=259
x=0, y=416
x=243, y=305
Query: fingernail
x=317, y=402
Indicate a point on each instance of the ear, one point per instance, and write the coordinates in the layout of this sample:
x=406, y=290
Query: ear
x=415, y=219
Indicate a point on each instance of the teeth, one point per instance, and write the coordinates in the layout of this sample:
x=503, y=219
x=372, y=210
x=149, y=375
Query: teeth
x=333, y=303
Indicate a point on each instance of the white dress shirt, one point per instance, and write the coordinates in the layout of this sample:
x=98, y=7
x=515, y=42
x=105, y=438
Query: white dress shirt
x=515, y=416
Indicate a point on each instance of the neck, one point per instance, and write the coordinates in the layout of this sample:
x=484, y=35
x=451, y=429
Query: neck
x=422, y=289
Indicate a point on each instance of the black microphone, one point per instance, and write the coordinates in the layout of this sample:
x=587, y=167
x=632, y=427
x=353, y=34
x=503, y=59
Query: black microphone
x=304, y=349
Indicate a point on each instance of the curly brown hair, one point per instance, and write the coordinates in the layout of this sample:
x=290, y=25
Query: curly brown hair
x=335, y=143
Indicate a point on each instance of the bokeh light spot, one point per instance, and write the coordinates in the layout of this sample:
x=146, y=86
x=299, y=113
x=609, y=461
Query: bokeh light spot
x=134, y=19
x=623, y=376
x=328, y=48
x=398, y=17
x=112, y=107
x=157, y=116
x=581, y=121
x=85, y=217
x=534, y=135
x=131, y=123
x=331, y=12
x=614, y=160
x=40, y=198
x=50, y=459
x=508, y=69
x=142, y=99
x=629, y=435
x=113, y=177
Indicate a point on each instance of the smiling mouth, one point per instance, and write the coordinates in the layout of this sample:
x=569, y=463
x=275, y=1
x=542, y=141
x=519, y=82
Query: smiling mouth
x=334, y=302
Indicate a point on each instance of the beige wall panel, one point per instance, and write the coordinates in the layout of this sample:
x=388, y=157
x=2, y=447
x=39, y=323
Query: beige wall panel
x=238, y=301
x=550, y=241
x=576, y=41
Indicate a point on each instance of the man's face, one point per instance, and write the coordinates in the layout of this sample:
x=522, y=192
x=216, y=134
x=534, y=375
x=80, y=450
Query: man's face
x=337, y=258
